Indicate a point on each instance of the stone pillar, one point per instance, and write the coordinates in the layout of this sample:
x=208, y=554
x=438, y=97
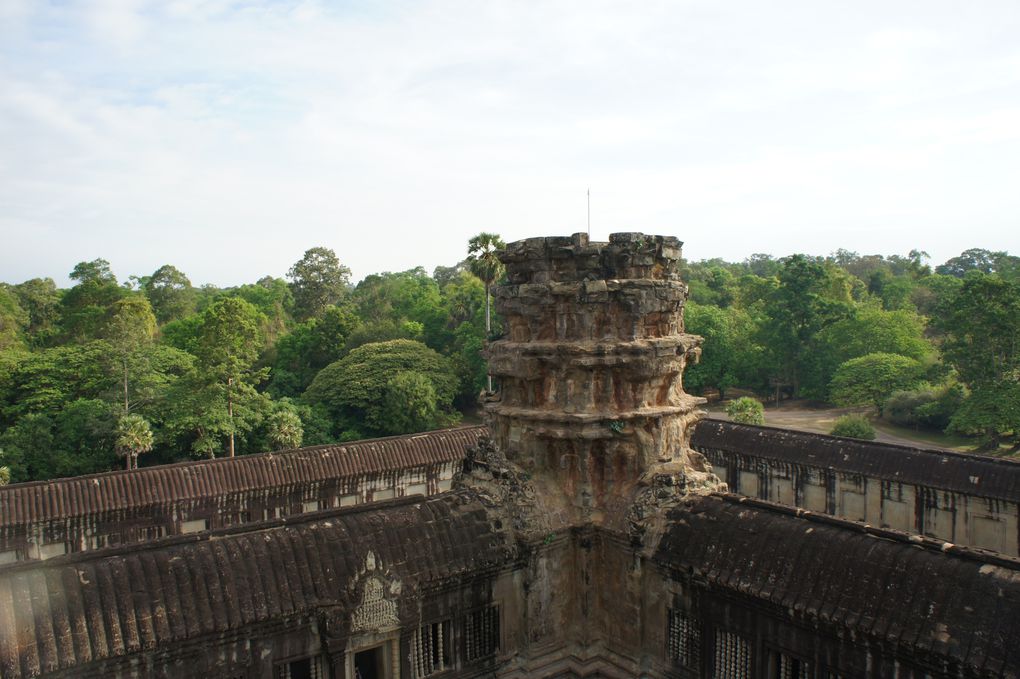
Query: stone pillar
x=590, y=395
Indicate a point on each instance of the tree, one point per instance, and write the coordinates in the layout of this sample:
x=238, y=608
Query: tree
x=809, y=297
x=729, y=356
x=229, y=342
x=41, y=300
x=170, y=293
x=981, y=261
x=868, y=329
x=463, y=304
x=13, y=320
x=132, y=326
x=96, y=271
x=309, y=348
x=853, y=427
x=409, y=403
x=46, y=381
x=318, y=280
x=84, y=308
x=285, y=430
x=484, y=263
x=746, y=410
x=355, y=388
x=871, y=379
x=273, y=297
x=133, y=438
x=981, y=322
x=5, y=473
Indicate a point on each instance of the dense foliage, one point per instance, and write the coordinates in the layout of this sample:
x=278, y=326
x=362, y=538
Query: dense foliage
x=853, y=427
x=937, y=350
x=106, y=374
x=746, y=410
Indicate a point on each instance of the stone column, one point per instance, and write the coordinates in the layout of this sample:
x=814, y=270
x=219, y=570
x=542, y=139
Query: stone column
x=590, y=395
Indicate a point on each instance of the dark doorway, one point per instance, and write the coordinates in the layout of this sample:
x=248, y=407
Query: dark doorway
x=368, y=664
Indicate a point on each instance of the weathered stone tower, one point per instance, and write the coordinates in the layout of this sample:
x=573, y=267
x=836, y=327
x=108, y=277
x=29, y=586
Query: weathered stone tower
x=590, y=392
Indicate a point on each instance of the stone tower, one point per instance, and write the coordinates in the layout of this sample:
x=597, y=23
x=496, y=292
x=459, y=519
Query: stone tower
x=590, y=401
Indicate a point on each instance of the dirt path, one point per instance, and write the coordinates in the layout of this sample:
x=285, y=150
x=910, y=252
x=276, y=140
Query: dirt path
x=821, y=421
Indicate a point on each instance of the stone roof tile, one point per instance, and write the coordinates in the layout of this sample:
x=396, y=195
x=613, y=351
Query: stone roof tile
x=119, y=490
x=901, y=589
x=78, y=608
x=978, y=475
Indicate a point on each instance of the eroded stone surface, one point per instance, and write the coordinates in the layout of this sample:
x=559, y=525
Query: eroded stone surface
x=591, y=404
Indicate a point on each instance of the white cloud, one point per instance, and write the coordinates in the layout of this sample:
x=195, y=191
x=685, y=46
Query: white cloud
x=228, y=137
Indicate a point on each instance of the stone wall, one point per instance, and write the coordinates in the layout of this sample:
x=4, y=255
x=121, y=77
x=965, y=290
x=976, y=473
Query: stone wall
x=42, y=520
x=590, y=370
x=968, y=500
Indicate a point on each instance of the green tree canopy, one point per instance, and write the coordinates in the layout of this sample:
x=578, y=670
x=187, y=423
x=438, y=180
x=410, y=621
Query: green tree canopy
x=86, y=306
x=131, y=328
x=746, y=410
x=729, y=354
x=310, y=347
x=871, y=379
x=96, y=271
x=853, y=427
x=284, y=429
x=355, y=388
x=223, y=399
x=170, y=293
x=867, y=329
x=132, y=438
x=40, y=298
x=484, y=263
x=318, y=280
x=13, y=320
x=981, y=322
x=809, y=297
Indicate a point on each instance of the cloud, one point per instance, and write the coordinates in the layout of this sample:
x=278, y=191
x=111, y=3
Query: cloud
x=227, y=138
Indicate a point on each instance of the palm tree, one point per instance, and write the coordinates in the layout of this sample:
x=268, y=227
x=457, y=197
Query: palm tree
x=486, y=265
x=285, y=430
x=133, y=437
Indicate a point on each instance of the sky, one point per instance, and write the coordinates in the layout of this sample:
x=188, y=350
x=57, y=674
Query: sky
x=226, y=138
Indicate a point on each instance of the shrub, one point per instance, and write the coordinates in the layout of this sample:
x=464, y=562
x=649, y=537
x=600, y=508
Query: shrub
x=853, y=427
x=928, y=407
x=746, y=410
x=871, y=379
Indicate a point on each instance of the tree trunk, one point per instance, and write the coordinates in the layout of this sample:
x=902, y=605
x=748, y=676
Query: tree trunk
x=230, y=414
x=126, y=406
x=488, y=333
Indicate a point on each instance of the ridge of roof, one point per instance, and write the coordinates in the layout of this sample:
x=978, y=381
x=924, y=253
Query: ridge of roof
x=912, y=539
x=977, y=475
x=122, y=489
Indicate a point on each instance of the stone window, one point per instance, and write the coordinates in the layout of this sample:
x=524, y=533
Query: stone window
x=892, y=490
x=52, y=549
x=683, y=639
x=194, y=526
x=732, y=656
x=430, y=649
x=481, y=632
x=784, y=666
x=304, y=668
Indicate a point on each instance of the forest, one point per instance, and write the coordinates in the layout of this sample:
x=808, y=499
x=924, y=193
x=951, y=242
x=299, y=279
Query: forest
x=109, y=374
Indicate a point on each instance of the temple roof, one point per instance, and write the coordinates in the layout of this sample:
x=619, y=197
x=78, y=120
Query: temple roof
x=84, y=607
x=111, y=491
x=900, y=589
x=971, y=474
